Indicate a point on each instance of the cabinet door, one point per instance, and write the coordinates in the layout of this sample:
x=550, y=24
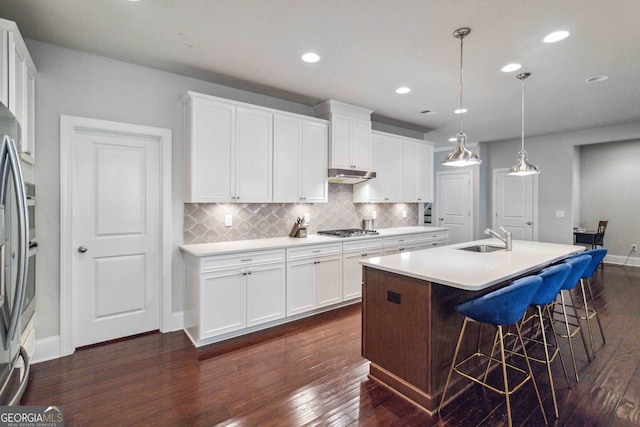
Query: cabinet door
x=287, y=158
x=253, y=150
x=329, y=280
x=223, y=303
x=393, y=172
x=314, y=162
x=265, y=293
x=340, y=142
x=209, y=155
x=378, y=165
x=17, y=63
x=28, y=145
x=360, y=144
x=410, y=165
x=425, y=173
x=352, y=273
x=301, y=286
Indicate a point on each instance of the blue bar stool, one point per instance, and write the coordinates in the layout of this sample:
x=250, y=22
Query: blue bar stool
x=503, y=307
x=578, y=265
x=597, y=255
x=552, y=279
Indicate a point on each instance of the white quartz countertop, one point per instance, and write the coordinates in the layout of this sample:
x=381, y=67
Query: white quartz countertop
x=448, y=265
x=218, y=248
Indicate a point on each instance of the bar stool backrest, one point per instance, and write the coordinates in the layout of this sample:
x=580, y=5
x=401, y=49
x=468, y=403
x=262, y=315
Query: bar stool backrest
x=504, y=306
x=552, y=279
x=597, y=255
x=578, y=264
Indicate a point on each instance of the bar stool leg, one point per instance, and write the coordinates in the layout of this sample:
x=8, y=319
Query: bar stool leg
x=504, y=375
x=548, y=362
x=587, y=317
x=555, y=337
x=593, y=304
x=584, y=339
x=533, y=380
x=566, y=322
x=453, y=363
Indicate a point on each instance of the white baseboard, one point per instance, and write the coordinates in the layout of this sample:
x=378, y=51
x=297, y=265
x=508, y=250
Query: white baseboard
x=177, y=321
x=619, y=260
x=47, y=349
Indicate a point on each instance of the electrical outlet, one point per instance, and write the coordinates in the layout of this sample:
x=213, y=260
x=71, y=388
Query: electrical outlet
x=634, y=247
x=228, y=221
x=306, y=217
x=404, y=214
x=374, y=215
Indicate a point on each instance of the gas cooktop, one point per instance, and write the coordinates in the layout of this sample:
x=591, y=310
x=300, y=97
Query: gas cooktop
x=348, y=232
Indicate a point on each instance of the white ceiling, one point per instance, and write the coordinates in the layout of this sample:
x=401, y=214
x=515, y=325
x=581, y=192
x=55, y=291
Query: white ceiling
x=371, y=47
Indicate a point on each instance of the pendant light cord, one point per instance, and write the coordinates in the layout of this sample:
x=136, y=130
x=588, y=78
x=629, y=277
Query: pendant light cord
x=461, y=42
x=522, y=127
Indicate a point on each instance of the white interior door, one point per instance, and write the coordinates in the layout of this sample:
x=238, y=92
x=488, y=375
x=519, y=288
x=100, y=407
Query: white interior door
x=515, y=204
x=116, y=228
x=454, y=201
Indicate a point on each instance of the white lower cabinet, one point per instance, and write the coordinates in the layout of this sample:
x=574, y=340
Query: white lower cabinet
x=433, y=239
x=352, y=253
x=398, y=244
x=229, y=293
x=314, y=277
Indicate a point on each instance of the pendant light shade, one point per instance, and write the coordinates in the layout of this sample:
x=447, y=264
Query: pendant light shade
x=461, y=155
x=523, y=167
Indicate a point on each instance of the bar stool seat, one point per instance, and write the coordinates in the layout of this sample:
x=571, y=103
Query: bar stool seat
x=503, y=307
x=552, y=279
x=578, y=265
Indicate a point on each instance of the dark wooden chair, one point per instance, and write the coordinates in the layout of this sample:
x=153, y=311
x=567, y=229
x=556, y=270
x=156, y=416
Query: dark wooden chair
x=599, y=237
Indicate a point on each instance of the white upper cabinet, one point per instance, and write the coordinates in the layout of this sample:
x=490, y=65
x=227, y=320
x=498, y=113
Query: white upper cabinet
x=404, y=171
x=18, y=73
x=228, y=151
x=299, y=159
x=349, y=135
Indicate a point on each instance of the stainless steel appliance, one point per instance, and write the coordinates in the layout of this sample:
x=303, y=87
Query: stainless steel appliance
x=348, y=232
x=14, y=242
x=367, y=224
x=29, y=302
x=349, y=176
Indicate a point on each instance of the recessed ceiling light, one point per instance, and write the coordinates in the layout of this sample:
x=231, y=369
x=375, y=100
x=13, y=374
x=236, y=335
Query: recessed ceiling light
x=460, y=111
x=596, y=79
x=556, y=36
x=510, y=67
x=311, y=57
x=402, y=90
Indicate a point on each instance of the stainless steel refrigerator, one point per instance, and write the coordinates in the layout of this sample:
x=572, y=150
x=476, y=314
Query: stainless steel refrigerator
x=14, y=229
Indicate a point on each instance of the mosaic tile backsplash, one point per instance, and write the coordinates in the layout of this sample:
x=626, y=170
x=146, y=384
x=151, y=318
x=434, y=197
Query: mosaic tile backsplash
x=204, y=222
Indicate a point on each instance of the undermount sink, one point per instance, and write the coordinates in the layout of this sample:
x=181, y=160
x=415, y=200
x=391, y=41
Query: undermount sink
x=482, y=248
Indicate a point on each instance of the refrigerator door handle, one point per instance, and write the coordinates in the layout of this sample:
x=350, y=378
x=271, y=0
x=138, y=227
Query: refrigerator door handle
x=10, y=151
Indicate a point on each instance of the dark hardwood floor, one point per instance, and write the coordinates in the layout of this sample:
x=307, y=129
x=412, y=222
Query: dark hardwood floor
x=313, y=375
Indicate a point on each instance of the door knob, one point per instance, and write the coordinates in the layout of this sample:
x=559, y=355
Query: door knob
x=441, y=219
x=529, y=223
x=82, y=249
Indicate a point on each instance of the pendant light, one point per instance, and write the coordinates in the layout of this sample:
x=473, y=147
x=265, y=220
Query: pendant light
x=461, y=156
x=523, y=167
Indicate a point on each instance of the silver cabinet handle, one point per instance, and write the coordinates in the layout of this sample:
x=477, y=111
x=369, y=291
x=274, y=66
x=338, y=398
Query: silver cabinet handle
x=82, y=249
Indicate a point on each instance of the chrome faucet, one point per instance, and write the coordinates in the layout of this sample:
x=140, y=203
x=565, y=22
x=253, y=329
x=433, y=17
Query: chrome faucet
x=506, y=239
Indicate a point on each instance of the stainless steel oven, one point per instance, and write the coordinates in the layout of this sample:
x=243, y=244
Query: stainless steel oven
x=29, y=302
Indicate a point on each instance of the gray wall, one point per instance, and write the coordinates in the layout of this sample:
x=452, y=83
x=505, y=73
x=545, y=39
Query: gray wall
x=610, y=190
x=77, y=84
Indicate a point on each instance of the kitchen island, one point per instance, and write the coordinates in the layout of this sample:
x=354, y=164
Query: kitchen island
x=409, y=325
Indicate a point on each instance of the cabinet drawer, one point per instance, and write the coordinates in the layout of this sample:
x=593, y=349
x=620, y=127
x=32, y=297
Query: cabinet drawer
x=400, y=240
x=361, y=245
x=314, y=251
x=220, y=262
x=434, y=235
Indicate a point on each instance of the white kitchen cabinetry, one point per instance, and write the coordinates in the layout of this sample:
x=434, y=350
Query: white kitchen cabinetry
x=350, y=130
x=228, y=151
x=314, y=277
x=433, y=239
x=404, y=169
x=398, y=244
x=228, y=293
x=300, y=159
x=352, y=253
x=17, y=92
x=417, y=171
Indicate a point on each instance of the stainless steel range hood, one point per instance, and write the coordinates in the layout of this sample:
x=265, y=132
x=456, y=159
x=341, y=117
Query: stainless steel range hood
x=349, y=176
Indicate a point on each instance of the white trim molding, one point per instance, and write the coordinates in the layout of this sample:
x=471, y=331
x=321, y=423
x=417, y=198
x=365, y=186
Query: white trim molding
x=68, y=125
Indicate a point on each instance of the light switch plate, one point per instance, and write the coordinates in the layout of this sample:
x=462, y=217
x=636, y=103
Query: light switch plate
x=559, y=214
x=307, y=217
x=404, y=214
x=228, y=221
x=374, y=215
